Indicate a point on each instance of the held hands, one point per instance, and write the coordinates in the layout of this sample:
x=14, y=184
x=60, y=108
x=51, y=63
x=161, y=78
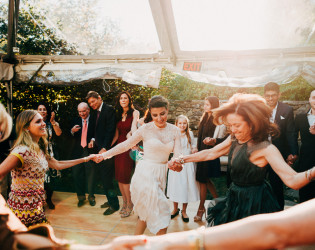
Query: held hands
x=175, y=165
x=90, y=157
x=98, y=158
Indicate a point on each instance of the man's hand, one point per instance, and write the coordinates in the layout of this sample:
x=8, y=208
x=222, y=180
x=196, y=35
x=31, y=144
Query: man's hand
x=103, y=150
x=75, y=129
x=91, y=144
x=291, y=159
x=312, y=129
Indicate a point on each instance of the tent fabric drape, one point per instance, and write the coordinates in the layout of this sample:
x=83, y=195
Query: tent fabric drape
x=6, y=71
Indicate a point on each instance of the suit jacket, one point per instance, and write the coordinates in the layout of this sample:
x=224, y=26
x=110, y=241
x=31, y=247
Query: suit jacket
x=77, y=148
x=105, y=127
x=307, y=150
x=287, y=141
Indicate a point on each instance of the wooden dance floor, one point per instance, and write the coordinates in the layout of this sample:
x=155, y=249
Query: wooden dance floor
x=88, y=225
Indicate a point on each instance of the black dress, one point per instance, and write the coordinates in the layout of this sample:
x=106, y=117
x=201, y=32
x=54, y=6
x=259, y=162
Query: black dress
x=206, y=169
x=249, y=193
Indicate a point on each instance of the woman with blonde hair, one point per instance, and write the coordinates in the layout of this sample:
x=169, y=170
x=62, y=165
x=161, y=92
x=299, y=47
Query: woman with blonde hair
x=28, y=162
x=247, y=117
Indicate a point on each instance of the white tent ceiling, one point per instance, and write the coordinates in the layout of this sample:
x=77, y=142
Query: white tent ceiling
x=223, y=42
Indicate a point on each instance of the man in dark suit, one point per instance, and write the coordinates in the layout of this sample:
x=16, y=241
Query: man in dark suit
x=105, y=128
x=305, y=124
x=84, y=174
x=286, y=142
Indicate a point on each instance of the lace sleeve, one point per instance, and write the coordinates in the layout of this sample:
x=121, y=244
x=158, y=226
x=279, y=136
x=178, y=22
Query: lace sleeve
x=125, y=145
x=177, y=144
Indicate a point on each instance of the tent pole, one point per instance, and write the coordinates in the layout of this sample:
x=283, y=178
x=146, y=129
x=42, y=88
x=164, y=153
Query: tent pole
x=9, y=98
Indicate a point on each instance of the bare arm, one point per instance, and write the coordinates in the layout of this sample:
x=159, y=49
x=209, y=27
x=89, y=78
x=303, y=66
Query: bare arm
x=292, y=227
x=55, y=124
x=210, y=154
x=136, y=115
x=291, y=178
x=11, y=162
x=59, y=165
x=122, y=147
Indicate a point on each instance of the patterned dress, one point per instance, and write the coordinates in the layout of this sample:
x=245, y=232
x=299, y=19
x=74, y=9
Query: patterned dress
x=27, y=196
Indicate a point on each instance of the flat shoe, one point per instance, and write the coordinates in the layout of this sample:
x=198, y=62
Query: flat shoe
x=186, y=220
x=174, y=215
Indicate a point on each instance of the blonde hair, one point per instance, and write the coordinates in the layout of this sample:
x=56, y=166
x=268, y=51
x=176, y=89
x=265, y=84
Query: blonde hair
x=23, y=135
x=5, y=123
x=187, y=128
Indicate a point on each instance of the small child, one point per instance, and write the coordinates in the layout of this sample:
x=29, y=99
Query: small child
x=182, y=186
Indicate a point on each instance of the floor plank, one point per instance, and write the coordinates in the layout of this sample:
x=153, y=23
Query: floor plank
x=88, y=225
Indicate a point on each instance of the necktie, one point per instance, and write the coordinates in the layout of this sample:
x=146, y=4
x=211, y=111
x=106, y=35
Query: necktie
x=84, y=135
x=97, y=115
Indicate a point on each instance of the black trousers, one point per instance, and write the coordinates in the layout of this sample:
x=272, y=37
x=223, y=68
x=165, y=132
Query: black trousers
x=277, y=186
x=84, y=178
x=107, y=172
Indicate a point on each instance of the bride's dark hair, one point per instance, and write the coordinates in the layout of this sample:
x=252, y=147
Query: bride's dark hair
x=156, y=101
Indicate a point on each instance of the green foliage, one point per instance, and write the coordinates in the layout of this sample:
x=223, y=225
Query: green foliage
x=33, y=37
x=176, y=87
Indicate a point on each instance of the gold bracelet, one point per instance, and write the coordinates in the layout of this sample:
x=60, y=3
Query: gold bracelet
x=201, y=238
x=85, y=159
x=196, y=240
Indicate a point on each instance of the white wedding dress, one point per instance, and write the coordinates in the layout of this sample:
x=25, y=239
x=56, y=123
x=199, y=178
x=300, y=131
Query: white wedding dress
x=149, y=180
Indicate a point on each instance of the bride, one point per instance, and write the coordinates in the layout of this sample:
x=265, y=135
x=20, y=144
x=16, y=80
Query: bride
x=149, y=180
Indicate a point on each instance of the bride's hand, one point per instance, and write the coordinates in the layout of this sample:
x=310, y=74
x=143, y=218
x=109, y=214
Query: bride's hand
x=98, y=158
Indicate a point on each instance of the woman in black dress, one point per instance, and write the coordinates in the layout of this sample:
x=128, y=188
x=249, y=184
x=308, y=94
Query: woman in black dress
x=206, y=169
x=53, y=129
x=247, y=117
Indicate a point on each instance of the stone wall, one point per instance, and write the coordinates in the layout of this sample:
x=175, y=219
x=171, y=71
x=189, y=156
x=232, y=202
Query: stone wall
x=193, y=109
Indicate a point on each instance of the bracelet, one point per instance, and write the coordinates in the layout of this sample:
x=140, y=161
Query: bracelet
x=196, y=240
x=181, y=159
x=308, y=174
x=54, y=124
x=85, y=159
x=200, y=244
